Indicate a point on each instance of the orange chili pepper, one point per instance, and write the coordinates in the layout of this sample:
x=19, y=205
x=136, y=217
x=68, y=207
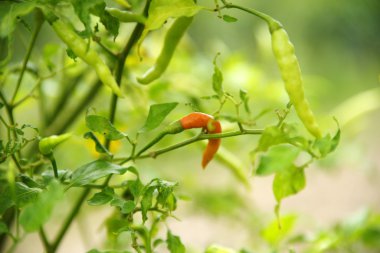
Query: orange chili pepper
x=205, y=121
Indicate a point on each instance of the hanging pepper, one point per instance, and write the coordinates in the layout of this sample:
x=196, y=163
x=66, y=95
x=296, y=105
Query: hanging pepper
x=211, y=126
x=193, y=120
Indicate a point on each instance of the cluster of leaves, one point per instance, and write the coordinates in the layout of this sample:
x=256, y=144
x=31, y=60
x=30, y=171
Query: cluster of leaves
x=285, y=153
x=140, y=208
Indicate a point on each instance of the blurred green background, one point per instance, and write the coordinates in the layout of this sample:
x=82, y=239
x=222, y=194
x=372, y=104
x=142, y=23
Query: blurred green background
x=338, y=46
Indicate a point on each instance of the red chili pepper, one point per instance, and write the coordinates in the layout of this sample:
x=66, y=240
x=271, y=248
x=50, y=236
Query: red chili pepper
x=205, y=121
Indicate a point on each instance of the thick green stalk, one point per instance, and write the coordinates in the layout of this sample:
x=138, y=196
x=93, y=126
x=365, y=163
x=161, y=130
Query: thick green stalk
x=136, y=34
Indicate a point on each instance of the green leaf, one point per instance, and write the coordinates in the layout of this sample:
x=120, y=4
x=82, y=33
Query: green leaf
x=9, y=16
x=103, y=126
x=274, y=234
x=326, y=145
x=174, y=243
x=229, y=19
x=288, y=182
x=271, y=136
x=35, y=214
x=101, y=198
x=70, y=53
x=146, y=201
x=128, y=207
x=244, y=98
x=20, y=195
x=3, y=228
x=165, y=189
x=217, y=79
x=6, y=200
x=136, y=187
x=25, y=194
x=161, y=10
x=95, y=170
x=157, y=114
x=82, y=9
x=277, y=158
x=110, y=23
x=98, y=145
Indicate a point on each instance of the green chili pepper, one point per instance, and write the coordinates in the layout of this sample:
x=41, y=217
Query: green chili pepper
x=47, y=144
x=126, y=16
x=80, y=48
x=290, y=70
x=172, y=38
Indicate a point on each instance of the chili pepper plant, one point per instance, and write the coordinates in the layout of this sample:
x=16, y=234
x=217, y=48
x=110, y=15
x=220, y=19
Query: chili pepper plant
x=99, y=88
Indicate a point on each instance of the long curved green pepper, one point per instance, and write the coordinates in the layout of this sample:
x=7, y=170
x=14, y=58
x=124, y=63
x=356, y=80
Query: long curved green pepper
x=290, y=70
x=172, y=39
x=79, y=46
x=126, y=16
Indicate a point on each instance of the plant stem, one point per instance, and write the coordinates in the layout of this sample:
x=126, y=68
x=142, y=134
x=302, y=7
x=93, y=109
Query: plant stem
x=39, y=22
x=199, y=137
x=136, y=34
x=9, y=110
x=54, y=164
x=270, y=21
x=151, y=143
x=44, y=239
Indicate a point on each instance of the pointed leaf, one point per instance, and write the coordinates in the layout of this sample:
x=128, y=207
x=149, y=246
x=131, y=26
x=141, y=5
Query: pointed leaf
x=146, y=201
x=244, y=98
x=161, y=10
x=174, y=243
x=101, y=198
x=103, y=126
x=157, y=114
x=95, y=170
x=82, y=9
x=229, y=19
x=288, y=182
x=277, y=158
x=217, y=79
x=110, y=22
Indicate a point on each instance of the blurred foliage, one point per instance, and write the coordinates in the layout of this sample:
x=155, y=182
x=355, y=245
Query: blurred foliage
x=337, y=45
